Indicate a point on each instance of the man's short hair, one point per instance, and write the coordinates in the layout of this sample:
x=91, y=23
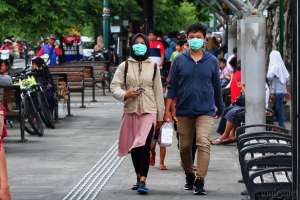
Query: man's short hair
x=197, y=28
x=235, y=50
x=153, y=32
x=180, y=42
x=223, y=60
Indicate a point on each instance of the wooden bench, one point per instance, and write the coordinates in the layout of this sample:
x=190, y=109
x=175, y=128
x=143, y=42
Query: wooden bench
x=11, y=99
x=102, y=73
x=76, y=79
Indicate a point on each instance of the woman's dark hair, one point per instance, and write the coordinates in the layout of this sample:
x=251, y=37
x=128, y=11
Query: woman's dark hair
x=6, y=62
x=235, y=65
x=39, y=62
x=197, y=28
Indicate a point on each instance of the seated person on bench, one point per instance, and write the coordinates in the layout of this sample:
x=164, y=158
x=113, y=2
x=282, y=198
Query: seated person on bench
x=232, y=118
x=5, y=79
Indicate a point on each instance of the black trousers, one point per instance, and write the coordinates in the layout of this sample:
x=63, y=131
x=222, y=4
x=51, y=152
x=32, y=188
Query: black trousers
x=141, y=156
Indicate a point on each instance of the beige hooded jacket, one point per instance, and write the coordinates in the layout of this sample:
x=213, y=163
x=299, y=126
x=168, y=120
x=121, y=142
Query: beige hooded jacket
x=139, y=75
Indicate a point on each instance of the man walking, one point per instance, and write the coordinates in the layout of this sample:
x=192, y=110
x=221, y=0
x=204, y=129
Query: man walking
x=195, y=83
x=157, y=50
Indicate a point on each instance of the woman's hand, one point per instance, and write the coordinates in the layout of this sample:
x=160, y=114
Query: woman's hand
x=159, y=124
x=5, y=193
x=131, y=95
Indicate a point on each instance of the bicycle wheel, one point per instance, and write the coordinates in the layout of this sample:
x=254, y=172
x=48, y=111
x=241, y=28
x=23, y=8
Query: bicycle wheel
x=44, y=110
x=24, y=120
x=33, y=121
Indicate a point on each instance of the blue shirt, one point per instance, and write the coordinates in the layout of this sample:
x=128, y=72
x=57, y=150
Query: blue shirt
x=196, y=86
x=47, y=50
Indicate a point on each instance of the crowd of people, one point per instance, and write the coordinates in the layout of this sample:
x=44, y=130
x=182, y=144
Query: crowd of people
x=180, y=79
x=177, y=78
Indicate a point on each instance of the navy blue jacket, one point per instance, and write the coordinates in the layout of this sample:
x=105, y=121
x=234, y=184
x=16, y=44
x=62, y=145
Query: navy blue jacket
x=196, y=86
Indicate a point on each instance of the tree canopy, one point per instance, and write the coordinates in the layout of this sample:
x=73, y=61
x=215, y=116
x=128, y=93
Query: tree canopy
x=30, y=19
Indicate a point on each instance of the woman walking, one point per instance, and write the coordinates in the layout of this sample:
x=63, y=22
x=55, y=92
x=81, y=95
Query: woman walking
x=278, y=76
x=137, y=83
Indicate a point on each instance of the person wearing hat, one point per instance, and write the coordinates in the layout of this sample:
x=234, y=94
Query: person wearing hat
x=8, y=46
x=49, y=51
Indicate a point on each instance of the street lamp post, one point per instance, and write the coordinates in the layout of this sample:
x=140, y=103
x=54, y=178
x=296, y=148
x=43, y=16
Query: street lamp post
x=106, y=23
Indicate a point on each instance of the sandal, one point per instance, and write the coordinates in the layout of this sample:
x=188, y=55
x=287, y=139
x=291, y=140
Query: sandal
x=219, y=141
x=163, y=167
x=231, y=140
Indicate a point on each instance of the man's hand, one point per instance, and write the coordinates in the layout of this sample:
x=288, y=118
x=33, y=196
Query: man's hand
x=217, y=116
x=168, y=116
x=131, y=95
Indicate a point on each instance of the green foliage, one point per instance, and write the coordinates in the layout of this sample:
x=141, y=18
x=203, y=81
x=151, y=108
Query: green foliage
x=29, y=19
x=171, y=16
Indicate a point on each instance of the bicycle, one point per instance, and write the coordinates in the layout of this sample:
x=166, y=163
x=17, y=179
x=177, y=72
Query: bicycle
x=31, y=120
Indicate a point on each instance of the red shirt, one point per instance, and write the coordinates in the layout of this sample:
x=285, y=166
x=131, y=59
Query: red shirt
x=235, y=90
x=157, y=45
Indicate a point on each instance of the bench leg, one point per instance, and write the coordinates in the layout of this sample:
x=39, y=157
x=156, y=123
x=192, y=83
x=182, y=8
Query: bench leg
x=22, y=127
x=93, y=93
x=103, y=87
x=82, y=99
x=109, y=81
x=56, y=110
x=69, y=105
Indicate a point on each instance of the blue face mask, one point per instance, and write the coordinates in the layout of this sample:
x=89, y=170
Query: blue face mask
x=196, y=44
x=139, y=49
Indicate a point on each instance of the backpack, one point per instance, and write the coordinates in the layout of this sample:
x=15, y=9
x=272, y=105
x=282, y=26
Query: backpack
x=126, y=71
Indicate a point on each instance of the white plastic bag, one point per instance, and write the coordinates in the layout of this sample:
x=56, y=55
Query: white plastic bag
x=62, y=109
x=166, y=135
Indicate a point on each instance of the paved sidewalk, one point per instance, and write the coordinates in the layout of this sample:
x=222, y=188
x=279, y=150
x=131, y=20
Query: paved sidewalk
x=221, y=181
x=47, y=168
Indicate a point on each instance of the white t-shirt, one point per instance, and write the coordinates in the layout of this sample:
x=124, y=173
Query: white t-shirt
x=230, y=68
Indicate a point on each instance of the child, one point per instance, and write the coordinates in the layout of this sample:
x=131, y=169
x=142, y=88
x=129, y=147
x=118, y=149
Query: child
x=163, y=150
x=179, y=50
x=225, y=74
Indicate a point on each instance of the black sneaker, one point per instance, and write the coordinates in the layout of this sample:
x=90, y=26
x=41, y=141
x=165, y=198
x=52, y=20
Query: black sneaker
x=190, y=178
x=199, y=187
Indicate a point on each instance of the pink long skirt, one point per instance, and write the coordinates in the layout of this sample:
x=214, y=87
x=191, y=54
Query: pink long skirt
x=134, y=131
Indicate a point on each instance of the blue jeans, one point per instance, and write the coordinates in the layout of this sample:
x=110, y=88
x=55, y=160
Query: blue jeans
x=279, y=108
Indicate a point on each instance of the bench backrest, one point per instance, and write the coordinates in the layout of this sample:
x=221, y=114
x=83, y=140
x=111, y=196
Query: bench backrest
x=11, y=99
